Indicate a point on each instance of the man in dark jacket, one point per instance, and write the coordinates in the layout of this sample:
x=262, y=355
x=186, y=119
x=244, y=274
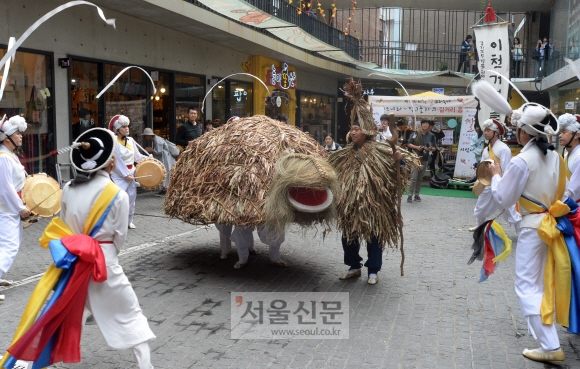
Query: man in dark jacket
x=466, y=50
x=189, y=130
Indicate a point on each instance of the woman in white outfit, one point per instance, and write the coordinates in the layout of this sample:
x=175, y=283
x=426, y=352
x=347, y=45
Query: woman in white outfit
x=127, y=154
x=12, y=178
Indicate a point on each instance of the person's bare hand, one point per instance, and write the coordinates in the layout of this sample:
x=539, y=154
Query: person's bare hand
x=397, y=155
x=129, y=178
x=149, y=149
x=493, y=169
x=24, y=213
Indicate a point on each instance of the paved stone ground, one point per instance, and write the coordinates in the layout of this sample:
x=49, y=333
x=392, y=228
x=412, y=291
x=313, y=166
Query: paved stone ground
x=436, y=316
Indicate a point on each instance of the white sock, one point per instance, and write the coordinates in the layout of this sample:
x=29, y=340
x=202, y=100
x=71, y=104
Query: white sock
x=352, y=271
x=373, y=275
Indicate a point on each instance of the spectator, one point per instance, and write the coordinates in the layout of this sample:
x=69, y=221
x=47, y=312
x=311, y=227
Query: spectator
x=473, y=57
x=404, y=132
x=208, y=126
x=384, y=131
x=330, y=145
x=189, y=130
x=477, y=143
x=85, y=121
x=160, y=150
x=435, y=157
x=466, y=48
x=283, y=118
x=543, y=53
x=422, y=142
x=517, y=57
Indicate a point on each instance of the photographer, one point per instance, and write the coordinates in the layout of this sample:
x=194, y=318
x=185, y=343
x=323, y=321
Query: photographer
x=422, y=142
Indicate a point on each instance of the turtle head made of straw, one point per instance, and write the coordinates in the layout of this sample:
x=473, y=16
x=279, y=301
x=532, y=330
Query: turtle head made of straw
x=360, y=111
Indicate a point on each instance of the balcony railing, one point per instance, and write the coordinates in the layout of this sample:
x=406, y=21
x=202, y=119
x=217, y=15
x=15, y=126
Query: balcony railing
x=318, y=29
x=434, y=57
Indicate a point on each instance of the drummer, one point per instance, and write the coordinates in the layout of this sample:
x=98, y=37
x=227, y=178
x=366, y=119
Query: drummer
x=127, y=154
x=12, y=178
x=160, y=151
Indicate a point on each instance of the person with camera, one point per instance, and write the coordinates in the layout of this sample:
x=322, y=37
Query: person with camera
x=422, y=142
x=465, y=54
x=541, y=54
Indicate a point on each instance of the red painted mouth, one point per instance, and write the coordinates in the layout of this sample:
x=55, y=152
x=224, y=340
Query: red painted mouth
x=309, y=200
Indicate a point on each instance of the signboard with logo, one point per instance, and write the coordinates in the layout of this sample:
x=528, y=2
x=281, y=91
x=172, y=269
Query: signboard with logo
x=448, y=139
x=281, y=77
x=569, y=105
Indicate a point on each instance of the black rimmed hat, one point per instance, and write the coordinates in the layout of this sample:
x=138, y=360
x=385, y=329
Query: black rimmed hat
x=96, y=155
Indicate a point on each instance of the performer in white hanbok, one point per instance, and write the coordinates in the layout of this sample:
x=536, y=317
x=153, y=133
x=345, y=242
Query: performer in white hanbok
x=486, y=206
x=12, y=178
x=127, y=154
x=534, y=179
x=112, y=303
x=570, y=140
x=244, y=239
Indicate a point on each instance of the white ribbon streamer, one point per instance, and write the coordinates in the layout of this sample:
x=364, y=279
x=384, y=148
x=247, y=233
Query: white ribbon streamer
x=11, y=52
x=505, y=78
x=220, y=81
x=403, y=87
x=119, y=75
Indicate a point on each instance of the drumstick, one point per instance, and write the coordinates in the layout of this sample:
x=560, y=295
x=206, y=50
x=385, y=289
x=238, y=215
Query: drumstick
x=150, y=175
x=37, y=205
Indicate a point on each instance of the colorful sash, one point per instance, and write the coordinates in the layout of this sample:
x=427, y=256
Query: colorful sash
x=557, y=271
x=491, y=245
x=125, y=143
x=55, y=336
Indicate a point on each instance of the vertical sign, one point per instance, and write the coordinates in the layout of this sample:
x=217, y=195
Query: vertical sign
x=493, y=50
x=465, y=161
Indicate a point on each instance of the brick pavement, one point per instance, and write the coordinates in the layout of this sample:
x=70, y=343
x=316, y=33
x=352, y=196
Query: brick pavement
x=436, y=316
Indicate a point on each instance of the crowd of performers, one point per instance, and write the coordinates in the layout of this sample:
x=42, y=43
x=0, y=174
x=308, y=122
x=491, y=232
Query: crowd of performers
x=537, y=191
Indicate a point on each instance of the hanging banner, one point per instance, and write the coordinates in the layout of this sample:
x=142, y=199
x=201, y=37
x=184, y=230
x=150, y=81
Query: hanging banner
x=440, y=106
x=465, y=161
x=494, y=54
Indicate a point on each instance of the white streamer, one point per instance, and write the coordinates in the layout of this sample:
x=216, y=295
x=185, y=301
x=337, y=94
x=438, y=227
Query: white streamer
x=11, y=52
x=504, y=77
x=119, y=75
x=403, y=87
x=220, y=81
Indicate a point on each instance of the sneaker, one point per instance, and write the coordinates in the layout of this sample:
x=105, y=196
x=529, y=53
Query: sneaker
x=279, y=263
x=417, y=198
x=540, y=354
x=373, y=280
x=410, y=199
x=239, y=265
x=1, y=298
x=5, y=283
x=132, y=226
x=352, y=273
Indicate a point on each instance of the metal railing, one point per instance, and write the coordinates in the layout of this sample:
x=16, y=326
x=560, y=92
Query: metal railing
x=318, y=29
x=427, y=57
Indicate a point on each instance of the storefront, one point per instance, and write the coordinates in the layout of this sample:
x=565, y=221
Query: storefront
x=232, y=98
x=281, y=79
x=131, y=95
x=28, y=93
x=315, y=114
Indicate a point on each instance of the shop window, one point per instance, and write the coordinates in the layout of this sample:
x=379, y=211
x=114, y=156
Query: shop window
x=316, y=115
x=219, y=104
x=241, y=99
x=189, y=92
x=84, y=87
x=127, y=96
x=162, y=110
x=28, y=93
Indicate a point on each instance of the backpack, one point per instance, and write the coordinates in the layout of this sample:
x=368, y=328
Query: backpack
x=439, y=180
x=173, y=149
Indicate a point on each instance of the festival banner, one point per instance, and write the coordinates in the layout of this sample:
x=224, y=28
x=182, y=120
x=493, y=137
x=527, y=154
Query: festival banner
x=465, y=161
x=494, y=54
x=441, y=106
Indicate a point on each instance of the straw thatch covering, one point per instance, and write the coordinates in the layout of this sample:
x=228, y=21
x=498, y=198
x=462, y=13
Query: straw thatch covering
x=225, y=175
x=370, y=185
x=299, y=171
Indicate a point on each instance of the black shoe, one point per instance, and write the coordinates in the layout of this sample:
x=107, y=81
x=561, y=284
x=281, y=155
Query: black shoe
x=410, y=199
x=417, y=198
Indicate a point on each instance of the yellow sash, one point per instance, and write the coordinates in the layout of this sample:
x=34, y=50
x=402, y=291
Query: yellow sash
x=557, y=271
x=12, y=156
x=55, y=230
x=492, y=154
x=126, y=144
x=568, y=172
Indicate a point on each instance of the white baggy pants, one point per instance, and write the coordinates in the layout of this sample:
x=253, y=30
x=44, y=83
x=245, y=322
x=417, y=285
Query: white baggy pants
x=10, y=239
x=530, y=261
